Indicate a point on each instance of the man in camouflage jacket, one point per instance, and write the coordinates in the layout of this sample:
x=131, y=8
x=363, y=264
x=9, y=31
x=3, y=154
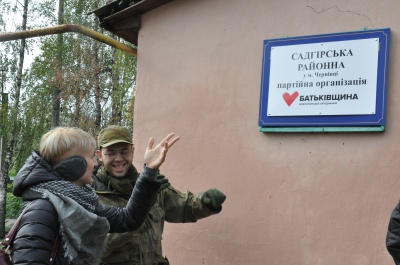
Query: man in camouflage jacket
x=114, y=181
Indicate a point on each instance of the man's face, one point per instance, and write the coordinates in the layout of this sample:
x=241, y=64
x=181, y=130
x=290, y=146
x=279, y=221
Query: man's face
x=117, y=158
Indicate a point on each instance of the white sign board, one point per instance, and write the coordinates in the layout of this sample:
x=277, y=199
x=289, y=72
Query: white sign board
x=329, y=78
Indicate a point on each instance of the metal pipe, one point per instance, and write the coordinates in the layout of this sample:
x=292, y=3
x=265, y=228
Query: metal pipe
x=68, y=28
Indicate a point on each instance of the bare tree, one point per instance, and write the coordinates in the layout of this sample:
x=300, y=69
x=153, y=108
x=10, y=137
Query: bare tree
x=14, y=126
x=56, y=94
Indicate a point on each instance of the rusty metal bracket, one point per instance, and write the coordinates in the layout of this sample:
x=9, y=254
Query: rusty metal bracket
x=68, y=28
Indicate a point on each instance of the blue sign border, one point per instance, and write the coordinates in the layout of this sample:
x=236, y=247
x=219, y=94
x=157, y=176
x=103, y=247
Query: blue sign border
x=376, y=120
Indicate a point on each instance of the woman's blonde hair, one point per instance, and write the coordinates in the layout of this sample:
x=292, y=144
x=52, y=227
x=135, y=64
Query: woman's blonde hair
x=61, y=142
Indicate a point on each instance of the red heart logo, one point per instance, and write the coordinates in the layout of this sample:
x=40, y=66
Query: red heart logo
x=290, y=98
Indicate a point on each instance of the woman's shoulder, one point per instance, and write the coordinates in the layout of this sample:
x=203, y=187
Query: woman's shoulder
x=39, y=204
x=36, y=233
x=41, y=211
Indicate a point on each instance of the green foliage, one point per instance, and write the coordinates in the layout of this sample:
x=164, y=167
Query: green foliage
x=96, y=81
x=14, y=204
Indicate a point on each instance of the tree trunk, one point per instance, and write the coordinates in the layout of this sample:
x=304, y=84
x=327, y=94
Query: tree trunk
x=97, y=89
x=14, y=130
x=3, y=193
x=55, y=121
x=115, y=95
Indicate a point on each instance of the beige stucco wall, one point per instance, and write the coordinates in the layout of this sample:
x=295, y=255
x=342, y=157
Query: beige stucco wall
x=292, y=198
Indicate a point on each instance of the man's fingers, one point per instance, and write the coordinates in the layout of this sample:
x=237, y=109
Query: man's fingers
x=171, y=142
x=151, y=142
x=166, y=143
x=155, y=155
x=169, y=136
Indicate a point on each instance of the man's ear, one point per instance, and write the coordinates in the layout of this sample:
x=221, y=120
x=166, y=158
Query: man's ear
x=99, y=155
x=72, y=168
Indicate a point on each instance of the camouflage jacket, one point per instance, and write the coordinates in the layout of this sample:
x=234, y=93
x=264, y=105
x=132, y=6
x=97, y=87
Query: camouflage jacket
x=143, y=246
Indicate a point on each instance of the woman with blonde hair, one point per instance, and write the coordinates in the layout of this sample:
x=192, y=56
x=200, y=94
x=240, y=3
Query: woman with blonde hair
x=57, y=179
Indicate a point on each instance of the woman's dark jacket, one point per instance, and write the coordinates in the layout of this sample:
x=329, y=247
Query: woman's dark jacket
x=40, y=226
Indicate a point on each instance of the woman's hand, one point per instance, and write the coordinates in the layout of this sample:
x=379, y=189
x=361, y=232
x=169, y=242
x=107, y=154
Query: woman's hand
x=154, y=157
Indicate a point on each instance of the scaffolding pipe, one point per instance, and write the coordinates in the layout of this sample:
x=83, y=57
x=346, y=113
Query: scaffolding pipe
x=68, y=28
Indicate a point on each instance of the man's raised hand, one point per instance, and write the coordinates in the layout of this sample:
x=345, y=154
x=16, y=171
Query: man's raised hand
x=154, y=157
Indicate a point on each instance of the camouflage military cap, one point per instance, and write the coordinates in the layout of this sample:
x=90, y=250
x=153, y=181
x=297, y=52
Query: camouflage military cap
x=114, y=134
